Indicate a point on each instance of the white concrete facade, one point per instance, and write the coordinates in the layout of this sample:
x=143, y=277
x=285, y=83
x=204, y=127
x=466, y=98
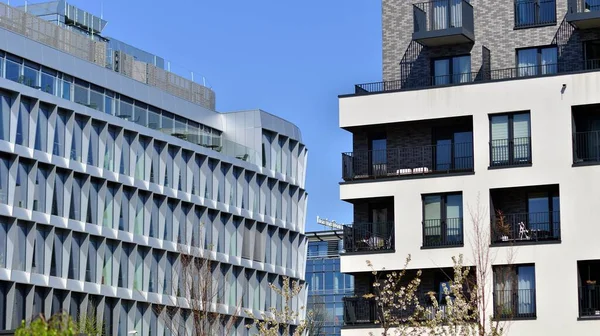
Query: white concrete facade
x=549, y=101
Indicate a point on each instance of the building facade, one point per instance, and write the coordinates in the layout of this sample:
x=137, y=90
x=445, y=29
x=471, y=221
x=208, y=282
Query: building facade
x=115, y=174
x=488, y=112
x=327, y=286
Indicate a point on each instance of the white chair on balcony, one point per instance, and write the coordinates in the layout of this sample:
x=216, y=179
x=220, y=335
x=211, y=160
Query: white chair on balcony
x=523, y=232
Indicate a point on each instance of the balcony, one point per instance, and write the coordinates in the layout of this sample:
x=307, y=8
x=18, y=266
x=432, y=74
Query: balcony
x=443, y=22
x=514, y=304
x=369, y=237
x=535, y=13
x=358, y=310
x=583, y=14
x=586, y=134
x=510, y=152
x=482, y=76
x=443, y=233
x=526, y=215
x=407, y=162
x=589, y=289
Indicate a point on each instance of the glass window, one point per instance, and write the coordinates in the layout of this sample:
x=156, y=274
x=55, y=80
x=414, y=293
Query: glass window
x=537, y=61
x=455, y=69
x=48, y=83
x=168, y=121
x=154, y=118
x=39, y=191
x=109, y=102
x=30, y=77
x=81, y=94
x=97, y=98
x=442, y=221
x=3, y=242
x=125, y=110
x=22, y=184
x=13, y=71
x=66, y=88
x=141, y=115
x=514, y=288
x=510, y=139
x=534, y=12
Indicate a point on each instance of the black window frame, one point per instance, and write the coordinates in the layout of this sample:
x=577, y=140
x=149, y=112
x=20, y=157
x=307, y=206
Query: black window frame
x=451, y=73
x=443, y=221
x=511, y=137
x=538, y=69
x=536, y=14
x=515, y=269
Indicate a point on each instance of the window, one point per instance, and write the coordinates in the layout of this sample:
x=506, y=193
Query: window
x=537, y=61
x=446, y=14
x=592, y=54
x=442, y=220
x=589, y=288
x=510, y=142
x=455, y=69
x=378, y=155
x=514, y=291
x=531, y=13
x=544, y=214
x=5, y=102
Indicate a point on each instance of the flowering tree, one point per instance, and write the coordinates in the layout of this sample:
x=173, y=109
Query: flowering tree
x=277, y=322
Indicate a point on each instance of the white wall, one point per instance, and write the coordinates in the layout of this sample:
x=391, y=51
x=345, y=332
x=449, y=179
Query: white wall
x=551, y=132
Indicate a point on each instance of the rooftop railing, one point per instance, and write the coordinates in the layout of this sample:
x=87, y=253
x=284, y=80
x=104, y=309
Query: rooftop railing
x=483, y=76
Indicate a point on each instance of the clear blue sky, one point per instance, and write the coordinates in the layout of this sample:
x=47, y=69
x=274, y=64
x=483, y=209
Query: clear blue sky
x=290, y=58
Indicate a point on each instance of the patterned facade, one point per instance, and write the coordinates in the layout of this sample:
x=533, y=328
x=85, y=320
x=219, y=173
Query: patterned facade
x=107, y=184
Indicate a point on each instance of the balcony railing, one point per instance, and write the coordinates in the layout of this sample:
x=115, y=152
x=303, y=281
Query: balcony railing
x=408, y=161
x=526, y=227
x=440, y=22
x=586, y=147
x=510, y=152
x=589, y=301
x=482, y=76
x=534, y=13
x=514, y=303
x=443, y=232
x=369, y=237
x=358, y=310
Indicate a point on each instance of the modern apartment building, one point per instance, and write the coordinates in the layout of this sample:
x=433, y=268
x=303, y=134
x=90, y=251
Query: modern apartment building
x=327, y=286
x=113, y=171
x=488, y=109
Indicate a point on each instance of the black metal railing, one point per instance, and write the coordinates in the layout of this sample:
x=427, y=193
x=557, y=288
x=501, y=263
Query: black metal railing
x=586, y=147
x=442, y=14
x=534, y=13
x=359, y=310
x=589, y=300
x=408, y=161
x=510, y=152
x=443, y=232
x=369, y=237
x=583, y=6
x=514, y=303
x=526, y=227
x=478, y=77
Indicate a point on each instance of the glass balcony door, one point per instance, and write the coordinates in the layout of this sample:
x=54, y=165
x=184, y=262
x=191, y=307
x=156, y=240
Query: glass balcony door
x=446, y=14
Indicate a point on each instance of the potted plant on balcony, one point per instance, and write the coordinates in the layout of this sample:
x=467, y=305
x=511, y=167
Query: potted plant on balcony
x=502, y=227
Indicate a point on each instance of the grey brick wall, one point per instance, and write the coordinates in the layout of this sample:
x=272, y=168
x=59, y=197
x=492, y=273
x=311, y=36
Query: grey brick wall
x=494, y=29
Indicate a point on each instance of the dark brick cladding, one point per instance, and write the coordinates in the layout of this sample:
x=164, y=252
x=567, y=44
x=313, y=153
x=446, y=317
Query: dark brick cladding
x=494, y=30
x=514, y=200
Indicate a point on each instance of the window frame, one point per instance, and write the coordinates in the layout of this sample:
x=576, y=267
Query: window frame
x=511, y=137
x=443, y=221
x=451, y=73
x=538, y=66
x=536, y=15
x=514, y=269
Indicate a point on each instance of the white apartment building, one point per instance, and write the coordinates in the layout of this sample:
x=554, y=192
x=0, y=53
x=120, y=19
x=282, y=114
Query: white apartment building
x=485, y=107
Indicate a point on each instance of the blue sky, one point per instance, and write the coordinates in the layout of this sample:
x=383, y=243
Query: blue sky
x=290, y=58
